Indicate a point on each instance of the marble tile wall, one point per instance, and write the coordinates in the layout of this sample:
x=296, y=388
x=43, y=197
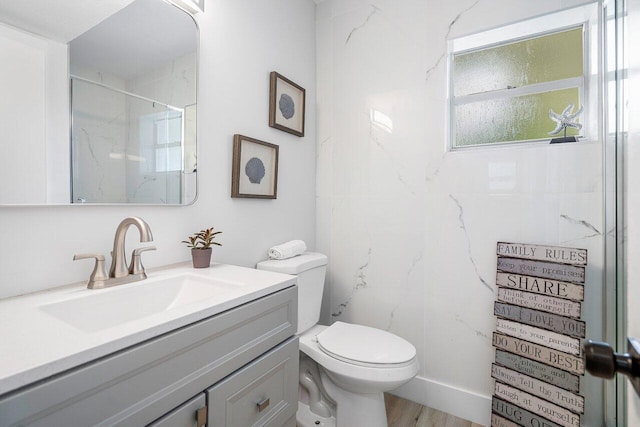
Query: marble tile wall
x=409, y=227
x=99, y=143
x=173, y=83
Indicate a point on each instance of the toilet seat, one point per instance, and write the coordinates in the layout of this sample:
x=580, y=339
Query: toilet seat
x=356, y=377
x=365, y=346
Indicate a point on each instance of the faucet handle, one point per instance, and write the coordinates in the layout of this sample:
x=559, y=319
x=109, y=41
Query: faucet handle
x=99, y=275
x=136, y=266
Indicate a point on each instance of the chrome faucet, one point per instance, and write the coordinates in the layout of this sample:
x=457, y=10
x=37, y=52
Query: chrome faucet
x=119, y=267
x=120, y=272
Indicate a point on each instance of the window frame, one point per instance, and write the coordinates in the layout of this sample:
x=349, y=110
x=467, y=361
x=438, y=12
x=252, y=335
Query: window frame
x=170, y=115
x=587, y=16
x=148, y=132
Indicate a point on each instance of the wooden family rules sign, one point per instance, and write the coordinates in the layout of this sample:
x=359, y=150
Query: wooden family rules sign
x=537, y=365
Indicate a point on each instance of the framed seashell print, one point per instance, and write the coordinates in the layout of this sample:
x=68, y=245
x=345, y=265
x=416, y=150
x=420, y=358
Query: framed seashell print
x=254, y=172
x=286, y=105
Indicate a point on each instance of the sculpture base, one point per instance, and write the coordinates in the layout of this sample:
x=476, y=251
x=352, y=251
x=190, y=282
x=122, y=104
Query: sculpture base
x=564, y=139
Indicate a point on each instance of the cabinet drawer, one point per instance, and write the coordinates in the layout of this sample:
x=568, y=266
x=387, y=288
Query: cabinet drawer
x=136, y=386
x=263, y=393
x=184, y=415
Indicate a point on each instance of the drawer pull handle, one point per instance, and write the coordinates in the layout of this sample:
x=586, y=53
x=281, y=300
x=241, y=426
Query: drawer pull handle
x=201, y=417
x=262, y=405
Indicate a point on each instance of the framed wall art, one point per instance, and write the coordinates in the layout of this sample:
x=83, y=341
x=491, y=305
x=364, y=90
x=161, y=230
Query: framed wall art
x=254, y=172
x=286, y=105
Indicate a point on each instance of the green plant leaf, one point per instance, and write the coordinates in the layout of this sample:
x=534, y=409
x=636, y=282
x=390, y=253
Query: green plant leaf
x=203, y=239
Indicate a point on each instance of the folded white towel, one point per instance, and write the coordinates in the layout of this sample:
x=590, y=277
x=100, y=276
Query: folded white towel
x=287, y=250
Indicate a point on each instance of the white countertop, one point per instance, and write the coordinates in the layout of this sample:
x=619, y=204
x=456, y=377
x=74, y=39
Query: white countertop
x=35, y=345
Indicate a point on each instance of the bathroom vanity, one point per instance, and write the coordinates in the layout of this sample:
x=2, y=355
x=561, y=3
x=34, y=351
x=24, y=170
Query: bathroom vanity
x=187, y=348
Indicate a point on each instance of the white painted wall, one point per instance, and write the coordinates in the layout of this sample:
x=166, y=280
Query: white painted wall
x=57, y=124
x=411, y=229
x=242, y=41
x=32, y=107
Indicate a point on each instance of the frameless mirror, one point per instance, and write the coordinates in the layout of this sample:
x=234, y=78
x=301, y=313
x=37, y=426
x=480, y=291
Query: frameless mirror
x=99, y=102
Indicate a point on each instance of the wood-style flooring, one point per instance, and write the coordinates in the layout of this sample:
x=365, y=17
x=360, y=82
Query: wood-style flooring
x=404, y=413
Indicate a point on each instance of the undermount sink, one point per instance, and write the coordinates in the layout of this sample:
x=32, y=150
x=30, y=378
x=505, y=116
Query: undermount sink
x=102, y=309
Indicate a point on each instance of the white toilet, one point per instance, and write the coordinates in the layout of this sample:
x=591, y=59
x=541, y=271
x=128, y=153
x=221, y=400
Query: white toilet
x=344, y=368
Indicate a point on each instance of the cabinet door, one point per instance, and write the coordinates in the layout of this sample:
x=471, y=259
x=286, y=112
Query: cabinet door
x=185, y=415
x=263, y=393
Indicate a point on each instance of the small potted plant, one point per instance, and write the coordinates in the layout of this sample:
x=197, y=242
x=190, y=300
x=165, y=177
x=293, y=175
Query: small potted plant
x=200, y=244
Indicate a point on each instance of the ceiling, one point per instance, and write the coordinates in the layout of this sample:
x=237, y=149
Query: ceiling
x=59, y=20
x=142, y=36
x=119, y=37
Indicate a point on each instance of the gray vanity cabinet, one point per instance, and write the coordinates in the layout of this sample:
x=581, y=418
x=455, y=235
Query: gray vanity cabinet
x=232, y=362
x=186, y=415
x=263, y=393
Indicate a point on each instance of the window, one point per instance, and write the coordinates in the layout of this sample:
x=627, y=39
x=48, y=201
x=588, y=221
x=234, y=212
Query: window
x=161, y=140
x=168, y=141
x=503, y=82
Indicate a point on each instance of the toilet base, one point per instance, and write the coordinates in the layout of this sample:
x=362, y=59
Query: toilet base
x=306, y=418
x=356, y=409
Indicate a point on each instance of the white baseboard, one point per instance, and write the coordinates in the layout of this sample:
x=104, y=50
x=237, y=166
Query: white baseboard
x=452, y=400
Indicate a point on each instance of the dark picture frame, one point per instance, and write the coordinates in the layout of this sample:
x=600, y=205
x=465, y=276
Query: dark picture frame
x=254, y=172
x=286, y=105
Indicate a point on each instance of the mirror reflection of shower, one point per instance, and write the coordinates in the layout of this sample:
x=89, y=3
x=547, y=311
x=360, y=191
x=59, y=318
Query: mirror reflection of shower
x=127, y=148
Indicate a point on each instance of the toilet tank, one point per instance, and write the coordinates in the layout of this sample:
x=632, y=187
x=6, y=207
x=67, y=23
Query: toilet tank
x=310, y=268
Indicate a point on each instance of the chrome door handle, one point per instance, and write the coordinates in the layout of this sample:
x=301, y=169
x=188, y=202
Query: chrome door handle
x=601, y=361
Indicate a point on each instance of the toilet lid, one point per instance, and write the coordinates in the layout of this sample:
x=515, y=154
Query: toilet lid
x=363, y=344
